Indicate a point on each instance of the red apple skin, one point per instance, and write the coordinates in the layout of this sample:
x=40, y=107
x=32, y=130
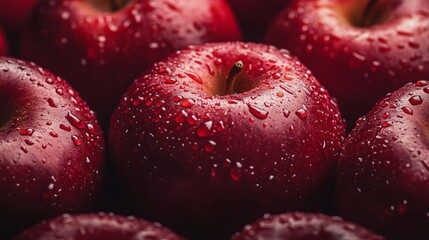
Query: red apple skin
x=304, y=226
x=192, y=159
x=14, y=14
x=100, y=53
x=3, y=44
x=97, y=226
x=383, y=172
x=357, y=65
x=51, y=147
x=254, y=16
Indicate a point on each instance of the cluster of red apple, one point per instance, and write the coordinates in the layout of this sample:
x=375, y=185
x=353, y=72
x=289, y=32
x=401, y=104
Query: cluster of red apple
x=206, y=130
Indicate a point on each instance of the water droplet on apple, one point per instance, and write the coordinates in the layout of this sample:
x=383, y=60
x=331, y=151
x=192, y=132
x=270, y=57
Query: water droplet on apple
x=53, y=134
x=187, y=102
x=204, y=130
x=74, y=120
x=426, y=89
x=28, y=142
x=49, y=80
x=195, y=77
x=257, y=112
x=407, y=110
x=76, y=140
x=385, y=124
x=65, y=127
x=181, y=116
x=51, y=103
x=235, y=173
x=356, y=60
x=209, y=146
x=416, y=100
x=192, y=120
x=170, y=80
x=302, y=113
x=26, y=131
x=421, y=83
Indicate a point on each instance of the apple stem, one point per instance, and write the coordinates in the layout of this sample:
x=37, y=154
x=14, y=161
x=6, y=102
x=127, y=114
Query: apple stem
x=116, y=4
x=367, y=14
x=230, y=80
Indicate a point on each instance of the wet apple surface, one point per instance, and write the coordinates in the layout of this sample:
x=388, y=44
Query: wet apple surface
x=383, y=170
x=359, y=50
x=51, y=147
x=100, y=48
x=191, y=155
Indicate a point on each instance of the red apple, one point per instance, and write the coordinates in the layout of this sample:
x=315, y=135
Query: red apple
x=383, y=171
x=254, y=16
x=360, y=50
x=98, y=226
x=14, y=14
x=3, y=44
x=100, y=47
x=51, y=147
x=304, y=226
x=219, y=134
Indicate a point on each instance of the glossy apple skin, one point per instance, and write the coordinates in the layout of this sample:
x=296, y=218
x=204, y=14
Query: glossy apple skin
x=51, y=147
x=358, y=66
x=192, y=159
x=254, y=16
x=100, y=53
x=383, y=172
x=304, y=226
x=97, y=226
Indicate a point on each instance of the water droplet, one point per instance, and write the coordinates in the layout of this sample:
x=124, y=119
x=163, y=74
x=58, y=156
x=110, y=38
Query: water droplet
x=235, y=173
x=386, y=124
x=426, y=89
x=286, y=113
x=188, y=102
x=76, y=140
x=375, y=65
x=137, y=101
x=407, y=110
x=192, y=120
x=89, y=164
x=49, y=80
x=302, y=113
x=91, y=128
x=204, y=129
x=257, y=112
x=28, y=142
x=74, y=120
x=51, y=103
x=65, y=127
x=53, y=134
x=416, y=100
x=59, y=91
x=195, y=77
x=170, y=80
x=356, y=60
x=219, y=126
x=421, y=83
x=181, y=116
x=209, y=146
x=276, y=75
x=26, y=131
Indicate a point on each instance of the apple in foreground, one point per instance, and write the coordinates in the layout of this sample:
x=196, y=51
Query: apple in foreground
x=101, y=46
x=99, y=226
x=219, y=134
x=304, y=226
x=51, y=147
x=359, y=50
x=383, y=171
x=254, y=16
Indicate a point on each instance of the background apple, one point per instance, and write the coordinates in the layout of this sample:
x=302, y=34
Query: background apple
x=304, y=226
x=3, y=44
x=217, y=135
x=383, y=171
x=98, y=226
x=51, y=147
x=254, y=16
x=359, y=50
x=100, y=47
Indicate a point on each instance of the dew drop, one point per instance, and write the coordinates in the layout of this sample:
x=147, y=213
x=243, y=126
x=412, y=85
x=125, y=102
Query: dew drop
x=302, y=113
x=26, y=131
x=51, y=103
x=209, y=146
x=257, y=112
x=74, y=120
x=407, y=110
x=76, y=140
x=235, y=173
x=386, y=124
x=204, y=130
x=195, y=77
x=170, y=80
x=28, y=142
x=53, y=134
x=416, y=100
x=187, y=102
x=192, y=120
x=65, y=127
x=356, y=60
